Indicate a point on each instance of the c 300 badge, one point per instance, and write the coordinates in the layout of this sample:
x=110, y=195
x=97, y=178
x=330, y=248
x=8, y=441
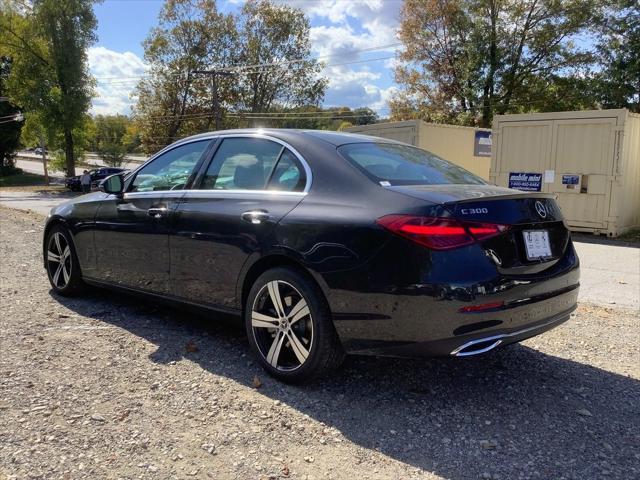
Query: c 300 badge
x=474, y=211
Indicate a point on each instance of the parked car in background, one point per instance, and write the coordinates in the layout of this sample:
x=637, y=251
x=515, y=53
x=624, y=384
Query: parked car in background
x=40, y=151
x=97, y=175
x=324, y=243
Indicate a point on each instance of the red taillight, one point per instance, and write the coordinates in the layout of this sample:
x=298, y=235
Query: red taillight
x=482, y=231
x=439, y=233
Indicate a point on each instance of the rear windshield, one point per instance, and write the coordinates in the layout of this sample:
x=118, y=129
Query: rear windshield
x=392, y=164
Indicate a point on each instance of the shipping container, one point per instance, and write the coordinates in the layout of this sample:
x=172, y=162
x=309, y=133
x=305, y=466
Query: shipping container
x=589, y=159
x=465, y=146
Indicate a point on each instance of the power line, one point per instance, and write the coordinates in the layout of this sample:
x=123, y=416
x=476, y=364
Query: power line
x=200, y=115
x=256, y=67
x=127, y=80
x=250, y=116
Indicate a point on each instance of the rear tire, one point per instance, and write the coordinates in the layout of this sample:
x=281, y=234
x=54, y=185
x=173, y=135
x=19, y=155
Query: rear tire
x=289, y=326
x=62, y=265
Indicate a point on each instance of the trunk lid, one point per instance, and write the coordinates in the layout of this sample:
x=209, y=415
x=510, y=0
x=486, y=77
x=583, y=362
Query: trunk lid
x=536, y=224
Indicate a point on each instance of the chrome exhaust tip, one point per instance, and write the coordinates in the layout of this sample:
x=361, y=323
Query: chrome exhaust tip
x=483, y=345
x=476, y=347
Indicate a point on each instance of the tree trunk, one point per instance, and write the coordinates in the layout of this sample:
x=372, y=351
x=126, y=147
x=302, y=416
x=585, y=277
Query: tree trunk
x=489, y=86
x=44, y=160
x=68, y=150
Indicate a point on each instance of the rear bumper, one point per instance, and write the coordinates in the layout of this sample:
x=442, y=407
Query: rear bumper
x=485, y=331
x=434, y=318
x=474, y=344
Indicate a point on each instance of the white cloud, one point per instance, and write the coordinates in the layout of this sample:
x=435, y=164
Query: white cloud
x=116, y=75
x=342, y=29
x=378, y=18
x=346, y=29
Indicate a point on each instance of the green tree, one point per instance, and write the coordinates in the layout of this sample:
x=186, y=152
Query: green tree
x=364, y=116
x=109, y=138
x=83, y=135
x=618, y=81
x=48, y=41
x=465, y=60
x=9, y=126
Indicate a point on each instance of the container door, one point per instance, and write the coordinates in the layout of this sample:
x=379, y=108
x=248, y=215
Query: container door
x=401, y=134
x=524, y=154
x=582, y=158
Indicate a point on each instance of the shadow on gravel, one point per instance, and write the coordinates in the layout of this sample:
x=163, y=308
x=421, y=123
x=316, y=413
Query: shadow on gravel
x=516, y=414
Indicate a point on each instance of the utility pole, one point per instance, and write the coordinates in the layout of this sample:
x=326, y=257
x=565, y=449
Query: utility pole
x=215, y=102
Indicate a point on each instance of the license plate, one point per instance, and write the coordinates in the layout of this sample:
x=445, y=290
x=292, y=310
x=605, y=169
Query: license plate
x=537, y=244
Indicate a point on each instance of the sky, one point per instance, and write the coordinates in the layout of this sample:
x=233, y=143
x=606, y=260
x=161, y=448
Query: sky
x=340, y=31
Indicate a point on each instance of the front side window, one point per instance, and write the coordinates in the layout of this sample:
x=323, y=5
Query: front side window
x=393, y=164
x=242, y=163
x=171, y=170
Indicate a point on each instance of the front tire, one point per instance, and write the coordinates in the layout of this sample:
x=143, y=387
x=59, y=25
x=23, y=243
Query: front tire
x=61, y=260
x=289, y=326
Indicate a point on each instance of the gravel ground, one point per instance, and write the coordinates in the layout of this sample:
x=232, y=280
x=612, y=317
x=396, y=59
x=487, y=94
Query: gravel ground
x=110, y=386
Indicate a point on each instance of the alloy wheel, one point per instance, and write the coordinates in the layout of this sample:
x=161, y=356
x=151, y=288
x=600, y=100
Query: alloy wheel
x=282, y=325
x=59, y=261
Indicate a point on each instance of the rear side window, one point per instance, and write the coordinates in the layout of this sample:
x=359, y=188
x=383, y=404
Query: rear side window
x=246, y=163
x=289, y=175
x=242, y=164
x=394, y=164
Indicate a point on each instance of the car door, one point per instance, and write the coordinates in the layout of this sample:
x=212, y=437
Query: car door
x=248, y=186
x=132, y=230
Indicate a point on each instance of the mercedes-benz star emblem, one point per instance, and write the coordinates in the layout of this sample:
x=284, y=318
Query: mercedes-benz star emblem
x=541, y=209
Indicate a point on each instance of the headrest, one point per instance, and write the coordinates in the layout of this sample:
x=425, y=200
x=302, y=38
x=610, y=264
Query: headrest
x=249, y=177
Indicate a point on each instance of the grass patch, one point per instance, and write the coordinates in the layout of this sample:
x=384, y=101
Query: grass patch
x=21, y=180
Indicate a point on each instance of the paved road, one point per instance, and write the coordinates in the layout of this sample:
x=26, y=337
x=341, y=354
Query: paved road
x=610, y=274
x=33, y=164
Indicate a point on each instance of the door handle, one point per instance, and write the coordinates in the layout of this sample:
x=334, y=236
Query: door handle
x=255, y=216
x=157, y=212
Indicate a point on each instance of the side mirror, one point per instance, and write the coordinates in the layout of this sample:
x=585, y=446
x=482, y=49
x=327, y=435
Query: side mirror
x=113, y=184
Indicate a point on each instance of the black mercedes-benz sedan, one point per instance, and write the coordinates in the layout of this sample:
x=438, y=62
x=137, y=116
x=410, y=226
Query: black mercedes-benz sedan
x=324, y=243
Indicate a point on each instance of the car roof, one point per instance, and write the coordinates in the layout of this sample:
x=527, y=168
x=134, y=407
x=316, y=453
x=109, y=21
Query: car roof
x=288, y=134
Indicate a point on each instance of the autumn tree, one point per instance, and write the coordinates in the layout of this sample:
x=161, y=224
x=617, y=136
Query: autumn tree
x=264, y=51
x=173, y=101
x=48, y=41
x=466, y=60
x=276, y=51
